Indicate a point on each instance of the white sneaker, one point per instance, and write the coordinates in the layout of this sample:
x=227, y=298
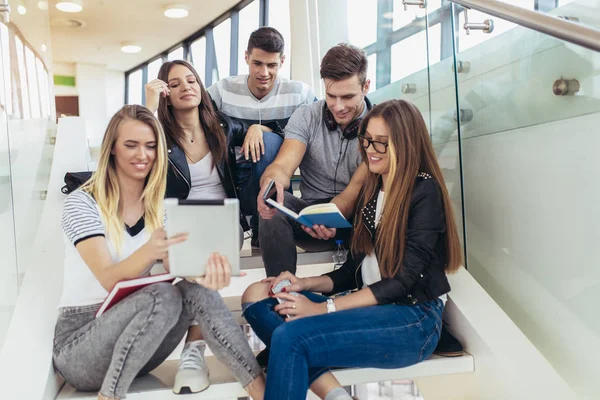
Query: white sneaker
x=192, y=374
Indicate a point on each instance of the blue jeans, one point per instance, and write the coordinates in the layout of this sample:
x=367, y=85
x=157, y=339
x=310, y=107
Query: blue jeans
x=383, y=336
x=248, y=176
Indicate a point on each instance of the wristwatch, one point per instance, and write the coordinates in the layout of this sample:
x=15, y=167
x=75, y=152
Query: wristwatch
x=330, y=306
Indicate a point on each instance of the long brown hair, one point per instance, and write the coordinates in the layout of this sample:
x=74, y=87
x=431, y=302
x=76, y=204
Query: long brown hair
x=209, y=119
x=410, y=152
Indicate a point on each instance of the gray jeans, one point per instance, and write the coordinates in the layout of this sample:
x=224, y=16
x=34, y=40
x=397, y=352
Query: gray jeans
x=105, y=354
x=280, y=235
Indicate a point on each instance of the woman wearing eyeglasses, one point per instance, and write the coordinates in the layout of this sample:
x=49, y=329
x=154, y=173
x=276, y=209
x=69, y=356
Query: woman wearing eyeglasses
x=404, y=241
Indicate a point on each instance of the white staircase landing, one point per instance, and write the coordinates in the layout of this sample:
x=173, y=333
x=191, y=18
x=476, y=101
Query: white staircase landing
x=157, y=385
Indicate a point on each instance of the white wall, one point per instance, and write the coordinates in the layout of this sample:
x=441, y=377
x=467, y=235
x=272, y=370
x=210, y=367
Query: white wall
x=65, y=69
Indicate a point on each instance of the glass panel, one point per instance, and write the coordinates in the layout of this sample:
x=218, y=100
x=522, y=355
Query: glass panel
x=4, y=37
x=410, y=54
x=176, y=54
x=198, y=50
x=134, y=93
x=26, y=152
x=475, y=37
x=32, y=84
x=222, y=36
x=8, y=266
x=249, y=22
x=153, y=69
x=22, y=85
x=372, y=72
x=404, y=17
x=42, y=79
x=279, y=18
x=530, y=107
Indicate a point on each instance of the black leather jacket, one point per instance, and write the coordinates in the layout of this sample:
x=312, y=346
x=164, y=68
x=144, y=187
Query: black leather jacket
x=178, y=175
x=422, y=276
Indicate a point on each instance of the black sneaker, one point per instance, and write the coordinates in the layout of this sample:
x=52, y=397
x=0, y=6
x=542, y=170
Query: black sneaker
x=448, y=346
x=254, y=243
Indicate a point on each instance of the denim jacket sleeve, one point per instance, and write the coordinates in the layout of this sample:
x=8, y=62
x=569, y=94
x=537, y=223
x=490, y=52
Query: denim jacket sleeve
x=426, y=225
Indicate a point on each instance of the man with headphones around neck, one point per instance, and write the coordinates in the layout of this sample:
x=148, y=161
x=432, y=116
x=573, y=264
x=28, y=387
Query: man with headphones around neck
x=321, y=139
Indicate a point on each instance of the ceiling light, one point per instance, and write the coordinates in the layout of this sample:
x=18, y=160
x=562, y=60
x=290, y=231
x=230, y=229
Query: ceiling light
x=131, y=48
x=21, y=9
x=176, y=11
x=70, y=6
x=42, y=5
x=44, y=48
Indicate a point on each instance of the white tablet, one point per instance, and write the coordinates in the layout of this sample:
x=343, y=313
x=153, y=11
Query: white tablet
x=212, y=225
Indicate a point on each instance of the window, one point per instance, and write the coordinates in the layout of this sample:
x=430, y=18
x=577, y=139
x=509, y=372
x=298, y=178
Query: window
x=410, y=55
x=362, y=22
x=249, y=22
x=222, y=37
x=176, y=54
x=279, y=18
x=153, y=69
x=5, y=53
x=198, y=52
x=23, y=78
x=134, y=90
x=32, y=83
x=42, y=77
x=212, y=45
x=372, y=72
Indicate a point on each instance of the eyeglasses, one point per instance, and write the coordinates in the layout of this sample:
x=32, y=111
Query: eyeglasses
x=379, y=147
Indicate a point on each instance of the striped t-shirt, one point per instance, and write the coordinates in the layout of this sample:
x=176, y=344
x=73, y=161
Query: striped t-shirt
x=81, y=220
x=233, y=97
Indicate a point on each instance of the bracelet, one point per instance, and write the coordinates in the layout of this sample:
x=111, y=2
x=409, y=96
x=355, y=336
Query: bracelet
x=309, y=283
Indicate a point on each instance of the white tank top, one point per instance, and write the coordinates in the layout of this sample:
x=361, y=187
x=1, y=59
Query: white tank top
x=206, y=184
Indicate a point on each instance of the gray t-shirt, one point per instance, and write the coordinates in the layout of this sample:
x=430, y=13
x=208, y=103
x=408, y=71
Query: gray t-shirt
x=326, y=151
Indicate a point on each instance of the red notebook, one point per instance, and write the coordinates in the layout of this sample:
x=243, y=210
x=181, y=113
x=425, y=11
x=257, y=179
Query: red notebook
x=125, y=288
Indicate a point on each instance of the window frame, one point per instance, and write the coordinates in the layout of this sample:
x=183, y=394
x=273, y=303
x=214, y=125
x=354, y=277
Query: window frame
x=207, y=32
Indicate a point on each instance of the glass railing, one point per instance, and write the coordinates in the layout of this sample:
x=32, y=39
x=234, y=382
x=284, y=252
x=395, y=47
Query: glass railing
x=531, y=188
x=514, y=115
x=27, y=134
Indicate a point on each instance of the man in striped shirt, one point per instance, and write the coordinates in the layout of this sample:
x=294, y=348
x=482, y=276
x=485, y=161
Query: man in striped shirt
x=265, y=101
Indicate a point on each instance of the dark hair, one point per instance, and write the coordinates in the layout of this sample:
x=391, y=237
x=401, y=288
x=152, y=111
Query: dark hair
x=344, y=61
x=267, y=39
x=215, y=136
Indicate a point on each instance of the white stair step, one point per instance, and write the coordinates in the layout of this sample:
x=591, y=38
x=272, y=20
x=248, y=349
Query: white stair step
x=159, y=383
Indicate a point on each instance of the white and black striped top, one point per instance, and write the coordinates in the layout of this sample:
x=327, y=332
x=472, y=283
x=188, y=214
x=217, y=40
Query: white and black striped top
x=81, y=220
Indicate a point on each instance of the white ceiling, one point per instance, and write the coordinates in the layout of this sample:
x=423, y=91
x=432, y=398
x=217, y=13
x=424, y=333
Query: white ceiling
x=107, y=23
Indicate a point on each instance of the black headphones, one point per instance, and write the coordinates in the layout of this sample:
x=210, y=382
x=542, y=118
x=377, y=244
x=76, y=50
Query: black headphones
x=349, y=133
x=351, y=130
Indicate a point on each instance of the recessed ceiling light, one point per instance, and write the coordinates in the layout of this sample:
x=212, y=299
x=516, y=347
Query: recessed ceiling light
x=44, y=48
x=21, y=9
x=42, y=5
x=176, y=11
x=131, y=48
x=70, y=6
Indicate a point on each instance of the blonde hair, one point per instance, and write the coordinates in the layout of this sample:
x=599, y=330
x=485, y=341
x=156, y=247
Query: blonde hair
x=410, y=152
x=104, y=185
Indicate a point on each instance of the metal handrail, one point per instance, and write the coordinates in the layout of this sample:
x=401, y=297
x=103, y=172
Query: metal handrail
x=559, y=28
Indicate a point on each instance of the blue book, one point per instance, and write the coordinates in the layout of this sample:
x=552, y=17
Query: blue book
x=326, y=214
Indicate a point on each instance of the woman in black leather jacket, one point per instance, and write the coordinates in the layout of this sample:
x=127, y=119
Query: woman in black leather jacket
x=200, y=143
x=404, y=242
